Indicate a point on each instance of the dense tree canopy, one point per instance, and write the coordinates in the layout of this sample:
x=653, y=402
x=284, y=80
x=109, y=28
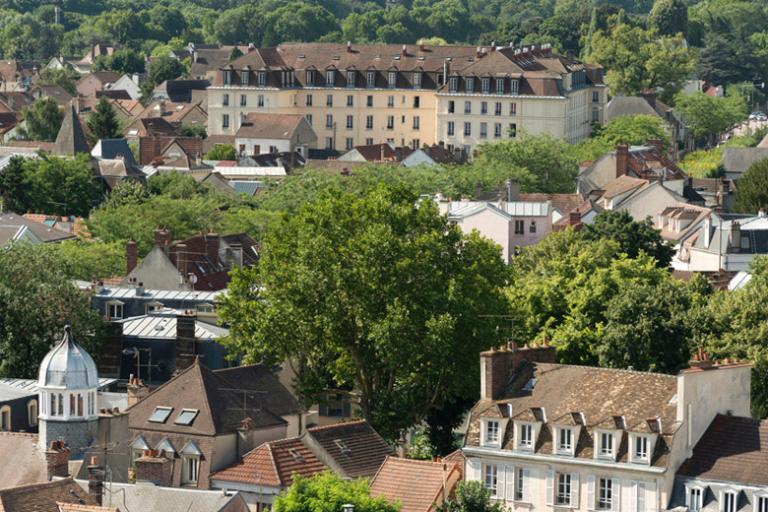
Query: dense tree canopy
x=381, y=293
x=752, y=192
x=632, y=236
x=43, y=120
x=328, y=492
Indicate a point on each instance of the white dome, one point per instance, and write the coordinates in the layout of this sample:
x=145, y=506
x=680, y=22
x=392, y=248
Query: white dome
x=68, y=366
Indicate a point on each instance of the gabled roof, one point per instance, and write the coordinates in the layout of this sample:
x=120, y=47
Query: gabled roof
x=628, y=106
x=71, y=137
x=733, y=449
x=12, y=223
x=221, y=403
x=354, y=447
x=416, y=484
x=738, y=160
x=269, y=126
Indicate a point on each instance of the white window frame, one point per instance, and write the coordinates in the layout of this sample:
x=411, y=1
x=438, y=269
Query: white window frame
x=563, y=449
x=522, y=481
x=116, y=304
x=190, y=473
x=638, y=456
x=757, y=498
x=529, y=442
x=33, y=411
x=563, y=489
x=689, y=490
x=491, y=479
x=600, y=453
x=6, y=410
x=604, y=498
x=492, y=432
x=724, y=500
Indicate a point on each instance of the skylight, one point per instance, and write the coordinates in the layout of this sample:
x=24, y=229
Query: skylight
x=296, y=455
x=160, y=414
x=343, y=447
x=186, y=417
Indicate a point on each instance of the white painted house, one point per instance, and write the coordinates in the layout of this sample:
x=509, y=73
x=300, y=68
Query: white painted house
x=554, y=437
x=274, y=133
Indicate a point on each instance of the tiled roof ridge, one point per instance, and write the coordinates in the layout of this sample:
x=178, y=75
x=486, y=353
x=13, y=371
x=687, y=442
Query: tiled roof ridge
x=322, y=428
x=425, y=463
x=28, y=487
x=19, y=434
x=618, y=370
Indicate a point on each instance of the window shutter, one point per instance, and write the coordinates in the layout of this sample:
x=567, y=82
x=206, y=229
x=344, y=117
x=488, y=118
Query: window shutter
x=473, y=470
x=688, y=497
x=575, y=490
x=526, y=484
x=590, y=492
x=640, y=496
x=550, y=487
x=649, y=497
x=615, y=494
x=509, y=476
x=721, y=501
x=632, y=485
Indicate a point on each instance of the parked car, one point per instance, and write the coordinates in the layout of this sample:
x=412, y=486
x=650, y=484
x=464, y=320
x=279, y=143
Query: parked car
x=758, y=116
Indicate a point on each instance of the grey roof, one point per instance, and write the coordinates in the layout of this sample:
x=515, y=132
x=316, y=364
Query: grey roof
x=147, y=497
x=738, y=160
x=11, y=226
x=30, y=386
x=71, y=137
x=628, y=106
x=163, y=326
x=68, y=366
x=112, y=149
x=125, y=292
x=509, y=209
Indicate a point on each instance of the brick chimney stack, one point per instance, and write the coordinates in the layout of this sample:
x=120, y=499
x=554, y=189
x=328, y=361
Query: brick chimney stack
x=186, y=343
x=622, y=159
x=212, y=247
x=181, y=259
x=131, y=256
x=498, y=365
x=96, y=481
x=162, y=237
x=57, y=459
x=154, y=467
x=574, y=217
x=137, y=390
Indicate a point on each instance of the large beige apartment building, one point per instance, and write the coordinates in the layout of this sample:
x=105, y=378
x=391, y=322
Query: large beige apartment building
x=411, y=95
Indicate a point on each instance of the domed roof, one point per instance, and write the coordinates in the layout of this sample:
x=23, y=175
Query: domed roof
x=68, y=366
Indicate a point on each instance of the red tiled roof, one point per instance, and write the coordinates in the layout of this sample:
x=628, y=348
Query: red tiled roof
x=416, y=485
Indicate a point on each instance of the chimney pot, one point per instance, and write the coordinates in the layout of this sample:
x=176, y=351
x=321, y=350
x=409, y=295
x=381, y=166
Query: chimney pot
x=131, y=256
x=622, y=159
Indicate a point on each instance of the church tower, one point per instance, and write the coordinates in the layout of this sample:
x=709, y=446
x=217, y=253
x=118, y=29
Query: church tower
x=68, y=384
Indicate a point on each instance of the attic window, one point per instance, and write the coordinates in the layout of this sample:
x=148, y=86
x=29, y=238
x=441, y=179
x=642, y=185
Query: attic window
x=186, y=417
x=529, y=385
x=343, y=447
x=296, y=455
x=160, y=414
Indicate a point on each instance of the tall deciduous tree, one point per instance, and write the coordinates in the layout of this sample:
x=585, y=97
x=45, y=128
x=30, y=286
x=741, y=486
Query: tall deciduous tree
x=37, y=299
x=752, y=192
x=377, y=292
x=43, y=119
x=669, y=17
x=103, y=122
x=631, y=235
x=471, y=496
x=707, y=117
x=327, y=492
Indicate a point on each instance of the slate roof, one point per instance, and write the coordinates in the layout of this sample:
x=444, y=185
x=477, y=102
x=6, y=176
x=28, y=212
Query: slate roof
x=733, y=449
x=30, y=467
x=738, y=160
x=161, y=325
x=221, y=403
x=598, y=393
x=269, y=126
x=256, y=377
x=71, y=137
x=114, y=148
x=362, y=452
x=44, y=497
x=628, y=106
x=416, y=484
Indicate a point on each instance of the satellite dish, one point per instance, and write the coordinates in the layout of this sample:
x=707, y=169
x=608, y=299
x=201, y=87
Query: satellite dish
x=192, y=278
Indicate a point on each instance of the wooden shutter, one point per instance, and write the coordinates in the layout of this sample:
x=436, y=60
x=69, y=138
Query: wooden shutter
x=526, y=494
x=590, y=492
x=650, y=501
x=509, y=488
x=550, y=487
x=615, y=494
x=640, y=504
x=632, y=486
x=575, y=490
x=473, y=470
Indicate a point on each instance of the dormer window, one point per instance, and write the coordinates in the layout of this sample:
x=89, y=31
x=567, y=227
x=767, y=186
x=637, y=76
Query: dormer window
x=392, y=79
x=244, y=77
x=565, y=440
x=227, y=76
x=310, y=74
x=694, y=498
x=287, y=78
x=641, y=448
x=115, y=310
x=492, y=432
x=417, y=79
x=525, y=438
x=262, y=78
x=605, y=444
x=485, y=85
x=370, y=79
x=499, y=86
x=514, y=86
x=729, y=501
x=330, y=78
x=469, y=84
x=453, y=84
x=350, y=78
x=761, y=503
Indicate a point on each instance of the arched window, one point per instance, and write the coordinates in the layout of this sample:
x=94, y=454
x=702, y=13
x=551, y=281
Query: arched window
x=5, y=418
x=32, y=412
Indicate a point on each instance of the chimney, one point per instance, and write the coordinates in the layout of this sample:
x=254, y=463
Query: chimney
x=574, y=217
x=649, y=96
x=237, y=255
x=401, y=445
x=212, y=248
x=186, y=344
x=95, y=480
x=154, y=467
x=513, y=189
x=622, y=159
x=404, y=51
x=137, y=390
x=140, y=289
x=726, y=186
x=701, y=360
x=736, y=236
x=57, y=459
x=707, y=231
x=349, y=46
x=131, y=256
x=497, y=365
x=162, y=237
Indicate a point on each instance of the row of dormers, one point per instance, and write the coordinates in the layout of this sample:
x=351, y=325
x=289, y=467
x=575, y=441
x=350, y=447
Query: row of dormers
x=607, y=436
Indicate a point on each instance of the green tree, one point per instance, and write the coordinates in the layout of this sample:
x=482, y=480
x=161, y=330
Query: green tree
x=631, y=236
x=87, y=260
x=638, y=59
x=13, y=189
x=164, y=68
x=472, y=497
x=194, y=130
x=123, y=60
x=127, y=192
x=724, y=60
x=632, y=130
x=669, y=17
x=328, y=492
x=103, y=122
x=221, y=152
x=61, y=186
x=707, y=117
x=64, y=78
x=37, y=299
x=752, y=192
x=398, y=310
x=43, y=120
x=540, y=163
